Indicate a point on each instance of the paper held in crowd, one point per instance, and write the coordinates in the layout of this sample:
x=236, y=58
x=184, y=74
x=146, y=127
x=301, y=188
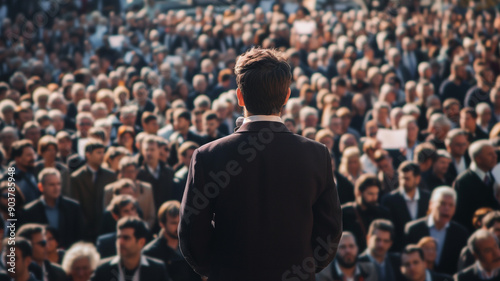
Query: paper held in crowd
x=496, y=173
x=392, y=139
x=81, y=146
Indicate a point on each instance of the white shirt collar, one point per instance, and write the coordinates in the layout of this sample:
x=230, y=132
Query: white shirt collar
x=480, y=173
x=92, y=170
x=116, y=260
x=428, y=276
x=407, y=198
x=432, y=223
x=484, y=274
x=255, y=118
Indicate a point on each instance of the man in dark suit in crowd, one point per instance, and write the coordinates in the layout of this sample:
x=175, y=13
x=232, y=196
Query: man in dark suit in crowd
x=55, y=210
x=121, y=206
x=40, y=266
x=185, y=154
x=141, y=100
x=484, y=246
x=346, y=265
x=387, y=175
x=166, y=246
x=262, y=164
x=18, y=270
x=474, y=187
x=155, y=172
x=449, y=235
x=468, y=117
x=24, y=156
x=414, y=267
x=379, y=240
x=408, y=202
x=457, y=143
x=182, y=122
x=87, y=187
x=211, y=124
x=358, y=215
x=490, y=222
x=130, y=263
x=345, y=188
x=439, y=169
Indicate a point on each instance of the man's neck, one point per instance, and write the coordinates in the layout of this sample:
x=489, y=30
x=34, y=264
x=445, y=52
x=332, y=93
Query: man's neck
x=131, y=262
x=171, y=242
x=153, y=164
x=379, y=259
x=94, y=167
x=411, y=192
x=51, y=202
x=348, y=272
x=457, y=158
x=411, y=143
x=49, y=163
x=23, y=169
x=438, y=224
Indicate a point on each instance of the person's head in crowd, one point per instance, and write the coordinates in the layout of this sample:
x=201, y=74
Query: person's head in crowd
x=325, y=136
x=106, y=97
x=308, y=117
x=429, y=247
x=47, y=149
x=483, y=155
x=150, y=123
x=128, y=168
x=197, y=117
x=413, y=265
x=98, y=110
x=290, y=123
x=94, y=153
x=125, y=137
x=458, y=71
x=409, y=176
x=210, y=123
x=128, y=115
x=7, y=108
x=457, y=143
x=52, y=235
x=347, y=251
x=451, y=108
x=409, y=123
x=35, y=233
x=41, y=98
x=439, y=126
x=160, y=100
x=186, y=151
x=293, y=107
x=387, y=94
x=125, y=186
x=80, y=261
x=8, y=135
x=379, y=238
x=123, y=205
x=495, y=97
x=255, y=65
x=424, y=90
x=309, y=133
x=484, y=246
x=113, y=156
x=410, y=92
x=182, y=120
x=97, y=134
x=395, y=116
x=64, y=144
x=84, y=106
x=31, y=131
x=443, y=161
x=202, y=102
x=425, y=70
x=370, y=146
x=150, y=151
x=164, y=149
x=425, y=155
x=57, y=101
x=121, y=95
x=306, y=94
x=57, y=119
x=366, y=191
x=333, y=122
x=18, y=267
x=371, y=129
x=140, y=93
x=43, y=119
x=168, y=219
x=383, y=160
x=77, y=93
x=468, y=118
x=131, y=237
x=345, y=115
x=22, y=114
x=442, y=206
x=491, y=222
x=346, y=141
x=483, y=111
x=381, y=112
x=23, y=153
x=84, y=121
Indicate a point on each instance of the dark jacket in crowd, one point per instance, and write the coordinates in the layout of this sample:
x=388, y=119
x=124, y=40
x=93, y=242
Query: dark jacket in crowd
x=150, y=269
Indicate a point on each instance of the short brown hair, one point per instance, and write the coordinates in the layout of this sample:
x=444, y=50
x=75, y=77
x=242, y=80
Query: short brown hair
x=264, y=78
x=45, y=142
x=170, y=208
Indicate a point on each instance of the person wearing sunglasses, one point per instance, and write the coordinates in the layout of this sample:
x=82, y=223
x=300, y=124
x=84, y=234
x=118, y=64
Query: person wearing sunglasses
x=43, y=269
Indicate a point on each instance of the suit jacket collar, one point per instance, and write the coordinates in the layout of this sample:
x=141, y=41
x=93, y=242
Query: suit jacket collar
x=263, y=126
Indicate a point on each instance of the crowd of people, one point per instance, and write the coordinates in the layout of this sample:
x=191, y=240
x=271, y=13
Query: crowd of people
x=102, y=106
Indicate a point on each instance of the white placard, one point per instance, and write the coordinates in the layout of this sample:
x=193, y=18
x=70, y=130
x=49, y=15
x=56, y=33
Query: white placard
x=81, y=147
x=392, y=139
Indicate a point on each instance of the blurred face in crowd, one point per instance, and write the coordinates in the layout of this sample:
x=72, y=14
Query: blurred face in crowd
x=353, y=165
x=412, y=132
x=186, y=159
x=369, y=197
x=467, y=122
x=488, y=253
x=379, y=243
x=443, y=209
x=128, y=119
x=64, y=146
x=328, y=142
x=33, y=134
x=84, y=126
x=81, y=269
x=385, y=165
x=7, y=138
x=485, y=117
x=172, y=226
x=51, y=187
x=495, y=229
x=129, y=210
x=336, y=125
x=382, y=115
x=347, y=252
x=181, y=124
x=127, y=245
x=50, y=153
x=150, y=152
x=164, y=153
x=430, y=252
x=58, y=123
x=441, y=166
x=310, y=121
x=95, y=157
x=408, y=180
x=151, y=127
x=51, y=242
x=39, y=247
x=487, y=159
x=129, y=172
x=458, y=146
x=141, y=93
x=413, y=266
x=27, y=158
x=210, y=126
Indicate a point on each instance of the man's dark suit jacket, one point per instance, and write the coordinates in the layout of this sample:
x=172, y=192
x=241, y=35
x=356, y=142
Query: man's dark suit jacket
x=472, y=194
x=90, y=195
x=106, y=245
x=54, y=271
x=400, y=214
x=471, y=274
x=392, y=265
x=456, y=237
x=162, y=187
x=360, y=229
x=108, y=270
x=177, y=267
x=345, y=188
x=175, y=145
x=273, y=201
x=70, y=219
x=367, y=272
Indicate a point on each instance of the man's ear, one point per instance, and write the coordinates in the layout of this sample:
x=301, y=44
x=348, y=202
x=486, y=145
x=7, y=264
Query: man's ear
x=239, y=95
x=287, y=96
